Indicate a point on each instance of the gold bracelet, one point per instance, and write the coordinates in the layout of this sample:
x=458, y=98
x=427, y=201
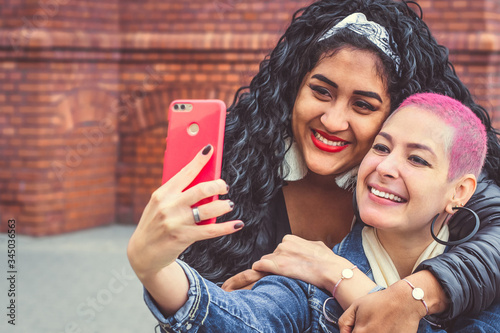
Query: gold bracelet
x=347, y=273
x=418, y=294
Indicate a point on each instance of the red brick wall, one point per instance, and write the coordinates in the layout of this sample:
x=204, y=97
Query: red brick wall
x=85, y=85
x=70, y=15
x=471, y=30
x=201, y=16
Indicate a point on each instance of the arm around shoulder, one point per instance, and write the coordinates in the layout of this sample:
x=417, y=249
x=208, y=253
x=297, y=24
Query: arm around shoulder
x=469, y=273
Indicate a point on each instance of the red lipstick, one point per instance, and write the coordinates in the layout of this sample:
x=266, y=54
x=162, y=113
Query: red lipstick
x=326, y=147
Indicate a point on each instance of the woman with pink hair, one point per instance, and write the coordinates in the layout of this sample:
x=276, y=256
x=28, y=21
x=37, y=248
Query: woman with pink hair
x=294, y=139
x=413, y=179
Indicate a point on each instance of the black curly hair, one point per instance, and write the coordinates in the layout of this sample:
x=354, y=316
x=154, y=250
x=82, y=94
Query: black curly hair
x=258, y=122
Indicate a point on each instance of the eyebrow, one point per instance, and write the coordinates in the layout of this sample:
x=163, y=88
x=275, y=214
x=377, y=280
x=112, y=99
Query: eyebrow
x=325, y=79
x=409, y=145
x=370, y=94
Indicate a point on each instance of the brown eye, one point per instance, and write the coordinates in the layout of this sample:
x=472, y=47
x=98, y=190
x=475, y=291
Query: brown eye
x=418, y=160
x=365, y=105
x=381, y=148
x=320, y=90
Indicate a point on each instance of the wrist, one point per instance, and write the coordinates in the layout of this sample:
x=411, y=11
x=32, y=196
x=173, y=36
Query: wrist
x=145, y=272
x=354, y=284
x=418, y=294
x=435, y=297
x=403, y=292
x=142, y=262
x=333, y=274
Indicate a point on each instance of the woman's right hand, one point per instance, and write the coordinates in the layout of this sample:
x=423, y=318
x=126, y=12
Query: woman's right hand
x=167, y=226
x=298, y=258
x=310, y=261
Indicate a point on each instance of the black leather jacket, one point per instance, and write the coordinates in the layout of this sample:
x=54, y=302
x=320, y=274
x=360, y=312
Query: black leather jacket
x=469, y=273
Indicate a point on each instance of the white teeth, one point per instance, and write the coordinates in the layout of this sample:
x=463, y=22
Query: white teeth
x=328, y=142
x=389, y=196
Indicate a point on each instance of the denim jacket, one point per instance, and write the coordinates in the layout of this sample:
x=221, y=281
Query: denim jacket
x=278, y=304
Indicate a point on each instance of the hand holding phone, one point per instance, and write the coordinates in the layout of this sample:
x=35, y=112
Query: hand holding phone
x=192, y=125
x=166, y=229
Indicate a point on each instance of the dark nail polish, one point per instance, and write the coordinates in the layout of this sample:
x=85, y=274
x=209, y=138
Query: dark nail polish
x=239, y=225
x=207, y=149
x=231, y=204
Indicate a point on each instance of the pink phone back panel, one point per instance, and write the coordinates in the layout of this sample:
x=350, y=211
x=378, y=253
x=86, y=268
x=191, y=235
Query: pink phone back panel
x=182, y=145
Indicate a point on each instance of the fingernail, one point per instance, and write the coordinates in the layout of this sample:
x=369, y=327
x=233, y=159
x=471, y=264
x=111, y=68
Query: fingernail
x=227, y=188
x=231, y=204
x=207, y=149
x=239, y=225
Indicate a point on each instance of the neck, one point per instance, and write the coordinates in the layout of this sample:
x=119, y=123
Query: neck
x=405, y=248
x=323, y=183
x=318, y=209
x=403, y=253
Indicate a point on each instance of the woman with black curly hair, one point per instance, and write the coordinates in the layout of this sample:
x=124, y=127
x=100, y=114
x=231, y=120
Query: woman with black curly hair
x=266, y=149
x=418, y=158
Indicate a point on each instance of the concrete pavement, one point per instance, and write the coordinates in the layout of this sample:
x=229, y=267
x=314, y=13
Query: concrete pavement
x=79, y=282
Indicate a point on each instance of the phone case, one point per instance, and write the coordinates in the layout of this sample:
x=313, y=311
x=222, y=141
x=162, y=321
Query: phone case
x=183, y=142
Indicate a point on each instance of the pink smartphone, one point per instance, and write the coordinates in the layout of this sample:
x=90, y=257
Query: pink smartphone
x=193, y=124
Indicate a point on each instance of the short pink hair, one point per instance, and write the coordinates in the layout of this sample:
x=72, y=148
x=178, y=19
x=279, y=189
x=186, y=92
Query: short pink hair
x=468, y=146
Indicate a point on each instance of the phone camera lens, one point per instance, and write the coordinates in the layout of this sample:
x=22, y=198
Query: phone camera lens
x=183, y=106
x=176, y=107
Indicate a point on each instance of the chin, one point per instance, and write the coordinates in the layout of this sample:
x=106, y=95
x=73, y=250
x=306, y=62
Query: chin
x=381, y=223
x=316, y=167
x=375, y=218
x=321, y=171
x=319, y=167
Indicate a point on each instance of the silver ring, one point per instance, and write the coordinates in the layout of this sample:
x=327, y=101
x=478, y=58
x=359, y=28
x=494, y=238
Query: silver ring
x=196, y=214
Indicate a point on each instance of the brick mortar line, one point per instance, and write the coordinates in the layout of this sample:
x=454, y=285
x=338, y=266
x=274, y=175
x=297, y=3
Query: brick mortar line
x=138, y=41
x=479, y=41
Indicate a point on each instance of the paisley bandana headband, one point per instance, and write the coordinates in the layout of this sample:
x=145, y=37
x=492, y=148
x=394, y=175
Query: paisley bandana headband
x=376, y=33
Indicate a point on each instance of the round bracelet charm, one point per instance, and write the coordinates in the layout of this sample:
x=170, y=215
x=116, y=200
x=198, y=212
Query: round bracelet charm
x=418, y=294
x=347, y=273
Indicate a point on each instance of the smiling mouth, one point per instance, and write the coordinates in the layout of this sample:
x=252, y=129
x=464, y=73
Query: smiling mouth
x=329, y=142
x=385, y=195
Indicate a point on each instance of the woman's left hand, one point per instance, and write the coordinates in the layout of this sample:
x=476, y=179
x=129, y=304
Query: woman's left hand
x=310, y=261
x=384, y=311
x=394, y=309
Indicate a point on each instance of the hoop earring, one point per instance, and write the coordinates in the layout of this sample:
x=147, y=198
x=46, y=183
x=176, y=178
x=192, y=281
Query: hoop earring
x=460, y=241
